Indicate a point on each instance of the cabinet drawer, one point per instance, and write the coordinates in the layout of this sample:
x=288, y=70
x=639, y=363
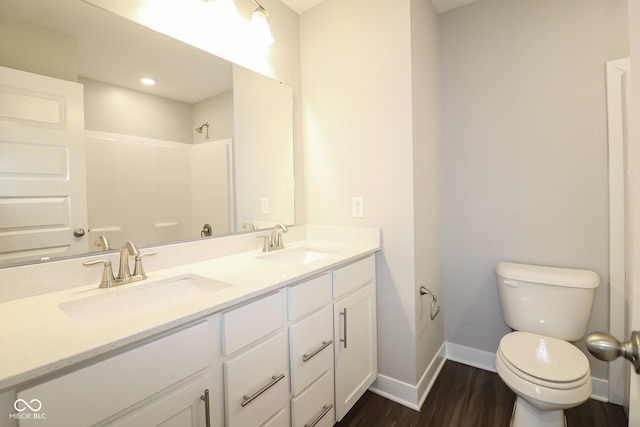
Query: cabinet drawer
x=258, y=380
x=281, y=419
x=89, y=395
x=251, y=322
x=311, y=348
x=309, y=296
x=353, y=276
x=315, y=404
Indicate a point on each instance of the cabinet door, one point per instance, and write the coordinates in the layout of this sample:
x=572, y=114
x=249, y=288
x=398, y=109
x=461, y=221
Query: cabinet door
x=355, y=347
x=183, y=407
x=97, y=392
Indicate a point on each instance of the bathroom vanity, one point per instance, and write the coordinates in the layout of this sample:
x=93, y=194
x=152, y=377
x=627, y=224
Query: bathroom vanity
x=285, y=338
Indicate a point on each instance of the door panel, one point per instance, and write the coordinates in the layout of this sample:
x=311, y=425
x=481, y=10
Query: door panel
x=42, y=167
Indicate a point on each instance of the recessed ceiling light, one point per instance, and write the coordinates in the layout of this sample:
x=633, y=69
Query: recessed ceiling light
x=147, y=81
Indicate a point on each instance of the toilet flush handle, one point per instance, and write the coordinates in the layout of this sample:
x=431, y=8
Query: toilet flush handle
x=607, y=348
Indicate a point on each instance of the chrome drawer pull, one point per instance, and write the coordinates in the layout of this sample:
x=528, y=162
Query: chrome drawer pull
x=248, y=399
x=325, y=410
x=324, y=345
x=344, y=313
x=207, y=412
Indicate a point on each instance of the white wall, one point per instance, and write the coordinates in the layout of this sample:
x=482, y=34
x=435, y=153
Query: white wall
x=262, y=138
x=525, y=150
x=110, y=108
x=218, y=112
x=361, y=129
x=427, y=176
x=40, y=50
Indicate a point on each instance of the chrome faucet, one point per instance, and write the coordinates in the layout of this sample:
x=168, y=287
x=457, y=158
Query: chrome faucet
x=248, y=224
x=103, y=243
x=127, y=250
x=124, y=272
x=274, y=241
x=276, y=236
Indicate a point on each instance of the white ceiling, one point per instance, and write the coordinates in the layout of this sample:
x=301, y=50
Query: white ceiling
x=301, y=5
x=117, y=51
x=440, y=6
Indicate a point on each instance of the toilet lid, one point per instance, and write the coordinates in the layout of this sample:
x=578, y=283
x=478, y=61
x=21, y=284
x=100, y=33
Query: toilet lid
x=546, y=358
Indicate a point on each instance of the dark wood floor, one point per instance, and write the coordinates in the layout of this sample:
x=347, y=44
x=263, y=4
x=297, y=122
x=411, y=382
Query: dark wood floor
x=463, y=396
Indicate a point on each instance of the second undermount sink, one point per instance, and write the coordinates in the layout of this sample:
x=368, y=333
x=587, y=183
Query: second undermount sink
x=140, y=300
x=300, y=255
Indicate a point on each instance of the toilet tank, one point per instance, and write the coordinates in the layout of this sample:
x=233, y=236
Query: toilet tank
x=549, y=301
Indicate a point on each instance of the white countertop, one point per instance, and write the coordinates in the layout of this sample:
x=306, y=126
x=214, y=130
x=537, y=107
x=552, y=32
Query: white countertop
x=38, y=338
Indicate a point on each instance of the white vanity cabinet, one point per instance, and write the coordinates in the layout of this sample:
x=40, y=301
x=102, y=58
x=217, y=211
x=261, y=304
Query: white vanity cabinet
x=256, y=372
x=300, y=356
x=311, y=352
x=157, y=383
x=355, y=332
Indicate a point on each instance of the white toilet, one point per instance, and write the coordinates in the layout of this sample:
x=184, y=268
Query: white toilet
x=547, y=307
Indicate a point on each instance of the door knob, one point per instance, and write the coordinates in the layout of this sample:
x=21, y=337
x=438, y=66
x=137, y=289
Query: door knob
x=607, y=348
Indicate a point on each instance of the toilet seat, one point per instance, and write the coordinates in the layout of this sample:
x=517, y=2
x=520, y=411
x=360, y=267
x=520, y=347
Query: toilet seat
x=545, y=361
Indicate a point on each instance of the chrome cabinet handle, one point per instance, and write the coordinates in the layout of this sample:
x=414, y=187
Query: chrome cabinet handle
x=207, y=413
x=325, y=410
x=248, y=399
x=344, y=327
x=324, y=345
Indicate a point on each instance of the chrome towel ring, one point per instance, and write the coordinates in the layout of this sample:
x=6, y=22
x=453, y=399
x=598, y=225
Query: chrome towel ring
x=435, y=309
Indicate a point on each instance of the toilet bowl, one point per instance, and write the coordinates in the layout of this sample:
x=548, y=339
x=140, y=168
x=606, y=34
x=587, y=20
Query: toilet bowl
x=548, y=308
x=547, y=375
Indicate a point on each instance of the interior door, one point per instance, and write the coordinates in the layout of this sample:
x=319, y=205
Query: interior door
x=43, y=202
x=634, y=141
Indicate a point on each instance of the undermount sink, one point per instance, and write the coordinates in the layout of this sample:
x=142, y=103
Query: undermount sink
x=118, y=304
x=301, y=255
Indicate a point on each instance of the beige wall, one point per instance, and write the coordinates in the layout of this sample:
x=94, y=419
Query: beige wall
x=115, y=109
x=525, y=150
x=371, y=129
x=28, y=47
x=427, y=172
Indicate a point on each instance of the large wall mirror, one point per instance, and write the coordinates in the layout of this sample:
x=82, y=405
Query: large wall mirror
x=89, y=155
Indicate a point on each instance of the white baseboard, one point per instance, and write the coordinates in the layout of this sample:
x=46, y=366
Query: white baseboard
x=600, y=389
x=413, y=396
x=471, y=356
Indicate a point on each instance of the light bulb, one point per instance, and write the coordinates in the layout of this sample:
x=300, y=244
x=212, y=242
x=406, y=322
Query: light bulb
x=259, y=27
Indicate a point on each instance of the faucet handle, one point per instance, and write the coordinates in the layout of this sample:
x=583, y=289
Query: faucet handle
x=107, y=273
x=138, y=270
x=266, y=246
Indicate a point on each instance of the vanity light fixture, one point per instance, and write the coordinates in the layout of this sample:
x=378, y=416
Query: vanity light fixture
x=227, y=13
x=227, y=10
x=199, y=129
x=259, y=26
x=147, y=81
